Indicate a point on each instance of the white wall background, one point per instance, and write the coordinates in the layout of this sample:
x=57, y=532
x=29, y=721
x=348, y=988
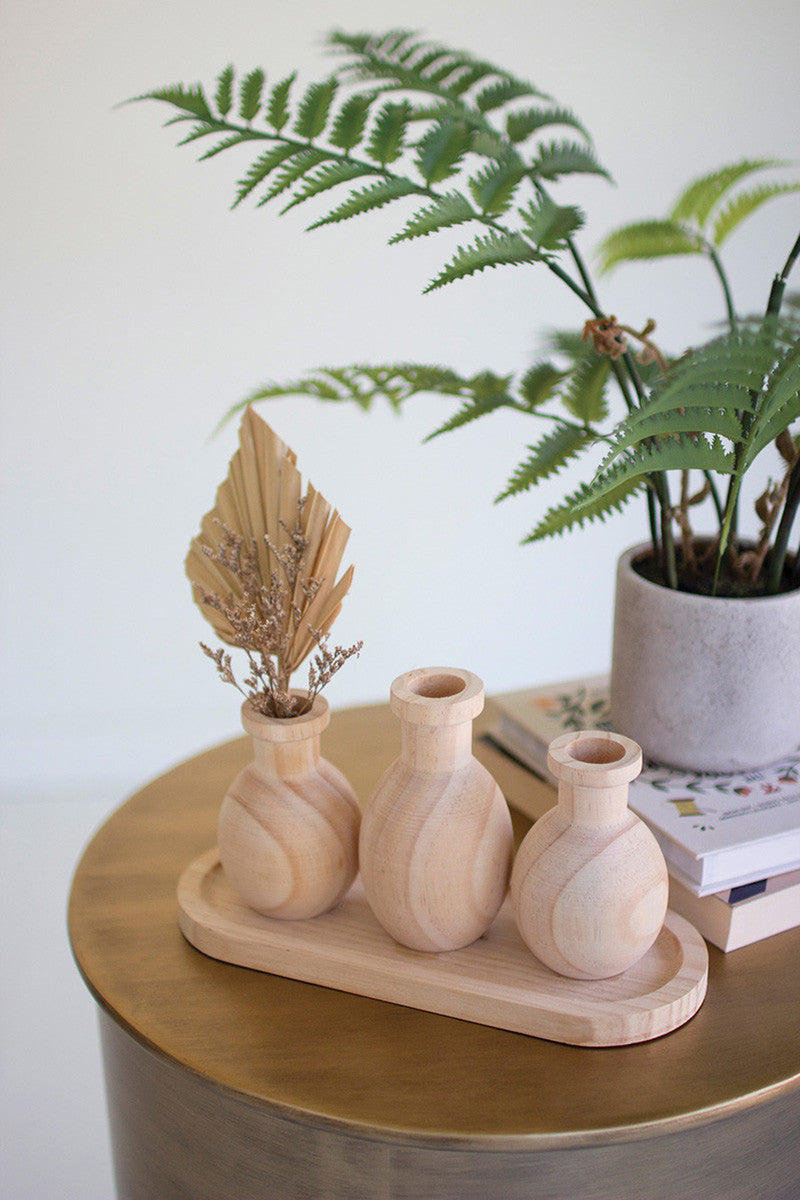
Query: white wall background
x=136, y=308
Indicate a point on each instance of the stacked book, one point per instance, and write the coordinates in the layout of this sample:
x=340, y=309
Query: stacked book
x=732, y=842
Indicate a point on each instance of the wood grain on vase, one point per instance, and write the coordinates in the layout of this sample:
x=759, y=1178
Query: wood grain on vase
x=436, y=836
x=288, y=825
x=590, y=883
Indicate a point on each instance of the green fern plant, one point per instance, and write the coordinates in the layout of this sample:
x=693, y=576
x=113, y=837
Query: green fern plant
x=455, y=141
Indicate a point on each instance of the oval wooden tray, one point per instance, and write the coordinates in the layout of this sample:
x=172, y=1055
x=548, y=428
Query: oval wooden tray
x=495, y=981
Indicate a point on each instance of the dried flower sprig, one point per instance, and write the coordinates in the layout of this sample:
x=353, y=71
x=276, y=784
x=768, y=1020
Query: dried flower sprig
x=263, y=570
x=265, y=619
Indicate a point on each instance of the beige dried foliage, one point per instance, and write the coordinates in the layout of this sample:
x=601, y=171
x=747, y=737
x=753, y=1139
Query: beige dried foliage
x=261, y=523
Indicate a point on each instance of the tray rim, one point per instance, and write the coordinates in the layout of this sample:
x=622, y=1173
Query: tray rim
x=198, y=918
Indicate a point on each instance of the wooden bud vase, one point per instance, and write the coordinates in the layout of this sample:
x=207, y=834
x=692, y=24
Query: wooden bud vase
x=288, y=826
x=589, y=884
x=436, y=839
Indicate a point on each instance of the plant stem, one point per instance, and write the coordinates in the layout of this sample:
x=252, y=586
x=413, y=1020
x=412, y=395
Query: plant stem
x=726, y=288
x=777, y=558
x=780, y=546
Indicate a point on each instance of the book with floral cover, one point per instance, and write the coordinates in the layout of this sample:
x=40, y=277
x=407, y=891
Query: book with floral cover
x=716, y=831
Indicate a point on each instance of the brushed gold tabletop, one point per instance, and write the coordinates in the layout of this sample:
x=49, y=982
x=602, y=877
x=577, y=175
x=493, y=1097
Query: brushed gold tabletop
x=379, y=1069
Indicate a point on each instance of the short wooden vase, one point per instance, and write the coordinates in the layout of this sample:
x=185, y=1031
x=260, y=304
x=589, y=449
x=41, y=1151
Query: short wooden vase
x=288, y=826
x=436, y=838
x=589, y=885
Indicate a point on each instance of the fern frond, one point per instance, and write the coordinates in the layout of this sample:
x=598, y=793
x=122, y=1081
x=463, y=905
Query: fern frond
x=584, y=394
x=647, y=240
x=539, y=384
x=368, y=199
x=546, y=458
x=582, y=506
x=264, y=165
x=329, y=175
x=387, y=140
x=548, y=224
x=743, y=205
x=235, y=139
x=520, y=125
x=441, y=150
x=190, y=100
x=779, y=408
x=450, y=209
x=350, y=122
x=278, y=112
x=223, y=97
x=494, y=250
x=314, y=108
x=363, y=385
x=698, y=200
x=296, y=168
x=250, y=94
x=405, y=62
x=566, y=158
x=495, y=95
x=495, y=185
x=487, y=393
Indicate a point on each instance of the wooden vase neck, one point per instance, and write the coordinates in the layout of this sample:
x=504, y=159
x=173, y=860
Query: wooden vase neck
x=594, y=769
x=436, y=707
x=428, y=748
x=288, y=746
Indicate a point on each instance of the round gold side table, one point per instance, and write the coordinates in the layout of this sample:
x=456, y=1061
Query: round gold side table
x=230, y=1084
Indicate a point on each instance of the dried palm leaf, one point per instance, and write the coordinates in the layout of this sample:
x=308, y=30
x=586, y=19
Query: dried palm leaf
x=260, y=501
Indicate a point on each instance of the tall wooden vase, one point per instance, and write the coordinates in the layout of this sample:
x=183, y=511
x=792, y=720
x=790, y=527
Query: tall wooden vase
x=288, y=826
x=436, y=839
x=589, y=884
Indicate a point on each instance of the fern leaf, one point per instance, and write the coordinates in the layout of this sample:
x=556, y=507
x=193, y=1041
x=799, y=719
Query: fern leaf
x=387, y=140
x=539, y=383
x=549, y=224
x=351, y=121
x=584, y=395
x=698, y=200
x=520, y=125
x=250, y=94
x=224, y=94
x=582, y=506
x=497, y=249
x=329, y=175
x=566, y=158
x=296, y=168
x=314, y=108
x=198, y=132
x=488, y=392
x=278, y=104
x=235, y=139
x=501, y=92
x=369, y=199
x=264, y=165
x=362, y=384
x=647, y=240
x=556, y=448
x=190, y=100
x=466, y=74
x=451, y=209
x=779, y=408
x=494, y=186
x=613, y=486
x=743, y=205
x=442, y=149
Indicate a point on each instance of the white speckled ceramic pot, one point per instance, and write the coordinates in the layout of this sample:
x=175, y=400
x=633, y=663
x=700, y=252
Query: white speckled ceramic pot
x=702, y=683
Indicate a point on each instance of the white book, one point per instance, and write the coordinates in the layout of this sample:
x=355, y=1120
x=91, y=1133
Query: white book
x=739, y=916
x=716, y=831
